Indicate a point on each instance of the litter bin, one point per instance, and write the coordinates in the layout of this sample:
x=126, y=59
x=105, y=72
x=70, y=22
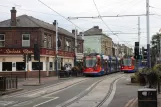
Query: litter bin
x=147, y=97
x=2, y=83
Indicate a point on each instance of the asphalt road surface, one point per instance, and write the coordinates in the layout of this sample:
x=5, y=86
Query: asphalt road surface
x=110, y=90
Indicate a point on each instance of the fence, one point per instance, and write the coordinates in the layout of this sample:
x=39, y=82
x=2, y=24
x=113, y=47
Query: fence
x=7, y=83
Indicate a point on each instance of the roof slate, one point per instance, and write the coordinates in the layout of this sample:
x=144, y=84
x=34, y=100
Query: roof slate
x=93, y=31
x=29, y=21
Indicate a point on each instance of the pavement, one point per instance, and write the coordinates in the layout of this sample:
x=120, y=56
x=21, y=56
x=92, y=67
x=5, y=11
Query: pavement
x=33, y=83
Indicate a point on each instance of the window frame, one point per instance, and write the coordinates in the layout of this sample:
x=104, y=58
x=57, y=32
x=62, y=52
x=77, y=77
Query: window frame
x=3, y=40
x=26, y=40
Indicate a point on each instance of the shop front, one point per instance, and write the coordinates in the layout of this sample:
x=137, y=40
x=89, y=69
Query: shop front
x=11, y=61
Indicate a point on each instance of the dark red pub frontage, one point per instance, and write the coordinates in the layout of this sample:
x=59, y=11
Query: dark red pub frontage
x=17, y=37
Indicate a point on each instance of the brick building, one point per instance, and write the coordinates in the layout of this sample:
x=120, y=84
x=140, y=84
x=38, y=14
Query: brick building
x=18, y=35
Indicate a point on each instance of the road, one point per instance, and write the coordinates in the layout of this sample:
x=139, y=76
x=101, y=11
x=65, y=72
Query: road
x=106, y=91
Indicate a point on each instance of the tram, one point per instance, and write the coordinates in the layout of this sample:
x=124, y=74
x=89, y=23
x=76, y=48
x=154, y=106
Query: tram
x=128, y=65
x=97, y=64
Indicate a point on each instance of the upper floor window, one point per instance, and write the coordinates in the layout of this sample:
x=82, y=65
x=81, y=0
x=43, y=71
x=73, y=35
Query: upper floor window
x=2, y=40
x=49, y=42
x=25, y=40
x=79, y=47
x=45, y=41
x=66, y=45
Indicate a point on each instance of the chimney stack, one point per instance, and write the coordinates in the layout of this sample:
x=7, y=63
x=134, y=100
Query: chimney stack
x=97, y=27
x=73, y=31
x=13, y=16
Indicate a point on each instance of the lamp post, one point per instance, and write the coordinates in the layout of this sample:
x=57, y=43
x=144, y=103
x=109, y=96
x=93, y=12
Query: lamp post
x=148, y=37
x=56, y=46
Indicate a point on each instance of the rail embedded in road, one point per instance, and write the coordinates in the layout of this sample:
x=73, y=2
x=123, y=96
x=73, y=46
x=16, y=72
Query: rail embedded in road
x=95, y=95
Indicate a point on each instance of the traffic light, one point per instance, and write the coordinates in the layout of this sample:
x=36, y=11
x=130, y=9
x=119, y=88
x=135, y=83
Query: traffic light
x=29, y=57
x=36, y=52
x=24, y=58
x=145, y=54
x=136, y=50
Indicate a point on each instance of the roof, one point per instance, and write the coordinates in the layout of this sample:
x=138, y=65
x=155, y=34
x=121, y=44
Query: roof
x=29, y=21
x=93, y=31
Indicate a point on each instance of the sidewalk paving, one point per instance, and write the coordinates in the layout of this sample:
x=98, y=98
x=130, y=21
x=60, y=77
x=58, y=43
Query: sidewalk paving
x=33, y=83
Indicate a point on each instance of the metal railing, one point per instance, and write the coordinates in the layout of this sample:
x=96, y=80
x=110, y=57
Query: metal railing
x=7, y=83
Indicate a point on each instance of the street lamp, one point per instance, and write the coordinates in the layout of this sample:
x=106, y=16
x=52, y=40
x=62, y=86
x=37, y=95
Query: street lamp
x=56, y=46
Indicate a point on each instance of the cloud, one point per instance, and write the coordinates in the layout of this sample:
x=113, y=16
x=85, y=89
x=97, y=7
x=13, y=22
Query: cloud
x=87, y=8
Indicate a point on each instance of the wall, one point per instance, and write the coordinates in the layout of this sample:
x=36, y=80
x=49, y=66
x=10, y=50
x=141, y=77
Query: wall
x=93, y=42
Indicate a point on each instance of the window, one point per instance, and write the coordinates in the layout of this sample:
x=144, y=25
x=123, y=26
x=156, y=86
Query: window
x=79, y=48
x=6, y=66
x=20, y=66
x=45, y=41
x=25, y=40
x=66, y=45
x=51, y=66
x=2, y=40
x=35, y=65
x=49, y=42
x=60, y=43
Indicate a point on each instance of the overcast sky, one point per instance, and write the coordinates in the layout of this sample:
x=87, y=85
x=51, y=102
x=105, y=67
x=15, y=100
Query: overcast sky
x=76, y=8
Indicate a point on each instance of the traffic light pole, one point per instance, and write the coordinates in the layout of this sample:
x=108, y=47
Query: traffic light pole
x=39, y=72
x=139, y=60
x=56, y=47
x=26, y=66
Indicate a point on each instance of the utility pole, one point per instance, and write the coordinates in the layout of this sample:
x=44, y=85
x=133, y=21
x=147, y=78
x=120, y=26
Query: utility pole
x=139, y=30
x=75, y=45
x=148, y=34
x=139, y=40
x=56, y=47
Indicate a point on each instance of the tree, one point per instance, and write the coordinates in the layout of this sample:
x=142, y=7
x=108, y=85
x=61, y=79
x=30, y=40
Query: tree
x=155, y=50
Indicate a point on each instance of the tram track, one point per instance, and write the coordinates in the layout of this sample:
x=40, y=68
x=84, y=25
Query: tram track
x=42, y=88
x=88, y=90
x=16, y=103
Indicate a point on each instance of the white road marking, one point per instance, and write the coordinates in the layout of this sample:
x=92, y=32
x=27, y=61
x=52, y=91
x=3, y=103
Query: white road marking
x=127, y=104
x=39, y=89
x=48, y=95
x=74, y=98
x=45, y=102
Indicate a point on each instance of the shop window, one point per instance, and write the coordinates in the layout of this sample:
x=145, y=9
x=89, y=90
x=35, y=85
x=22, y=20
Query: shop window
x=25, y=40
x=6, y=66
x=2, y=40
x=35, y=65
x=20, y=66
